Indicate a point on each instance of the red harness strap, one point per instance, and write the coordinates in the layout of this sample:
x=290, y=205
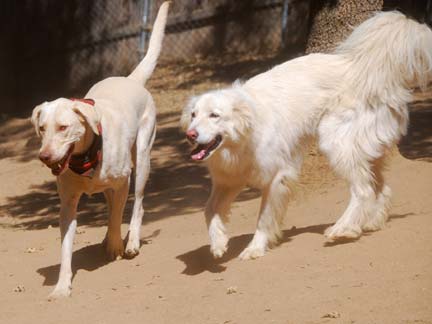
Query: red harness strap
x=86, y=163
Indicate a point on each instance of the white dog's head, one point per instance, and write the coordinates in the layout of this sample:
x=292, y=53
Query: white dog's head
x=216, y=119
x=61, y=124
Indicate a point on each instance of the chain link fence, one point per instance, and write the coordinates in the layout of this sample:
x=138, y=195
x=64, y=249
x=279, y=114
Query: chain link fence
x=53, y=48
x=201, y=28
x=62, y=47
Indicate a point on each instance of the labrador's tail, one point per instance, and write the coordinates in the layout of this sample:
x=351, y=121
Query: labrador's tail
x=146, y=67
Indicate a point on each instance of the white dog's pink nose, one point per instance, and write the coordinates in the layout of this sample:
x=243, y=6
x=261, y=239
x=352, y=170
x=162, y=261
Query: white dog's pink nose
x=192, y=135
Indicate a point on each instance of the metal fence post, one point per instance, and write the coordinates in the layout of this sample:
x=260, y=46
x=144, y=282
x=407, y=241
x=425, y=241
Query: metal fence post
x=144, y=28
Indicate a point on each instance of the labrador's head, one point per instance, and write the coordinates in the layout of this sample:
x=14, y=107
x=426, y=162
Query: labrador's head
x=60, y=124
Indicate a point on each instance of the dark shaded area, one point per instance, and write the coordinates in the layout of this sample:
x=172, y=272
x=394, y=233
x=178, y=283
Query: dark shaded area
x=200, y=260
x=34, y=33
x=417, y=144
x=420, y=10
x=54, y=49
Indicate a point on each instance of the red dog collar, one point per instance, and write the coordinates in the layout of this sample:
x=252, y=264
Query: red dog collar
x=85, y=164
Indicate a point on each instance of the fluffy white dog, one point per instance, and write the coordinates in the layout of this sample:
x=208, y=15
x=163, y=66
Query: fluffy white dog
x=91, y=146
x=354, y=101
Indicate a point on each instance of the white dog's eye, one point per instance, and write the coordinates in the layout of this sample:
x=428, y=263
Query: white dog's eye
x=62, y=128
x=41, y=129
x=214, y=115
x=193, y=115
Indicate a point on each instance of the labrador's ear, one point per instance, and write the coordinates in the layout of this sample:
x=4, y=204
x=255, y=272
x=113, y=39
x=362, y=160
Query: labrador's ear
x=89, y=114
x=35, y=118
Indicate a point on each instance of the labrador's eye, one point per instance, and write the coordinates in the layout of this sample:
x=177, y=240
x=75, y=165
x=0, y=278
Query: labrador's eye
x=214, y=115
x=41, y=129
x=193, y=115
x=62, y=128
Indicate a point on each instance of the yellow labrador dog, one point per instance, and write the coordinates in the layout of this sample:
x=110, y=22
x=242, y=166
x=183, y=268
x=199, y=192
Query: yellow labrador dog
x=91, y=146
x=354, y=101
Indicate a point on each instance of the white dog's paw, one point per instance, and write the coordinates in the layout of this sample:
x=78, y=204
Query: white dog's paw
x=252, y=252
x=337, y=232
x=60, y=292
x=257, y=247
x=132, y=248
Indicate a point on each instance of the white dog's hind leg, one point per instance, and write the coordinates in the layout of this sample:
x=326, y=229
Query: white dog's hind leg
x=377, y=220
x=363, y=207
x=216, y=214
x=353, y=142
x=273, y=207
x=349, y=225
x=116, y=199
x=142, y=170
x=68, y=223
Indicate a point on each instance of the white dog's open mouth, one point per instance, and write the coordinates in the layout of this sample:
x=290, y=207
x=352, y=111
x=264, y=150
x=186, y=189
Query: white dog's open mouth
x=202, y=151
x=58, y=167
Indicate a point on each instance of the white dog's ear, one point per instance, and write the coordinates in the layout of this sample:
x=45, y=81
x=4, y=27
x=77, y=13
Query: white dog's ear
x=186, y=118
x=242, y=116
x=35, y=118
x=89, y=115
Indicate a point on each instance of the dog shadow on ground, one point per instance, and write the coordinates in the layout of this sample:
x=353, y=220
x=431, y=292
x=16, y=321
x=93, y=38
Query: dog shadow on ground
x=200, y=260
x=89, y=258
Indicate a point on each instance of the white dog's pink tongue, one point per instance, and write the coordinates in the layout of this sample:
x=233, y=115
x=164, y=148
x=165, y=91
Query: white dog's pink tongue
x=199, y=156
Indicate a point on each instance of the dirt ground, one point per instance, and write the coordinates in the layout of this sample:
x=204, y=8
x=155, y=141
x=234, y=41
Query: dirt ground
x=384, y=277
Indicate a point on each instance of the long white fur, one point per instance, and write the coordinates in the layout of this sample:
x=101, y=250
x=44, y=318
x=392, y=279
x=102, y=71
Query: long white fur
x=127, y=113
x=354, y=101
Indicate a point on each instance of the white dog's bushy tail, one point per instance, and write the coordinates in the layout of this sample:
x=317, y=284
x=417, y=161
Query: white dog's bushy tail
x=146, y=67
x=388, y=55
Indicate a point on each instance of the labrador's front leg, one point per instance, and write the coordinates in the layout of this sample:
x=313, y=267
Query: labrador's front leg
x=116, y=199
x=68, y=223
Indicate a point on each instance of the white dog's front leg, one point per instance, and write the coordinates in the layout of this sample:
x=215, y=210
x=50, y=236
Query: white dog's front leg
x=273, y=207
x=216, y=213
x=68, y=226
x=218, y=236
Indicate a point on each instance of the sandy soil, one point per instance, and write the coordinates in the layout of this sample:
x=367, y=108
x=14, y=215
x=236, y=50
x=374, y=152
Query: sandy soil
x=384, y=277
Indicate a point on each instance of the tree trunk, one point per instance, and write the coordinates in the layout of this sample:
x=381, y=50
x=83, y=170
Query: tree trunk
x=333, y=20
